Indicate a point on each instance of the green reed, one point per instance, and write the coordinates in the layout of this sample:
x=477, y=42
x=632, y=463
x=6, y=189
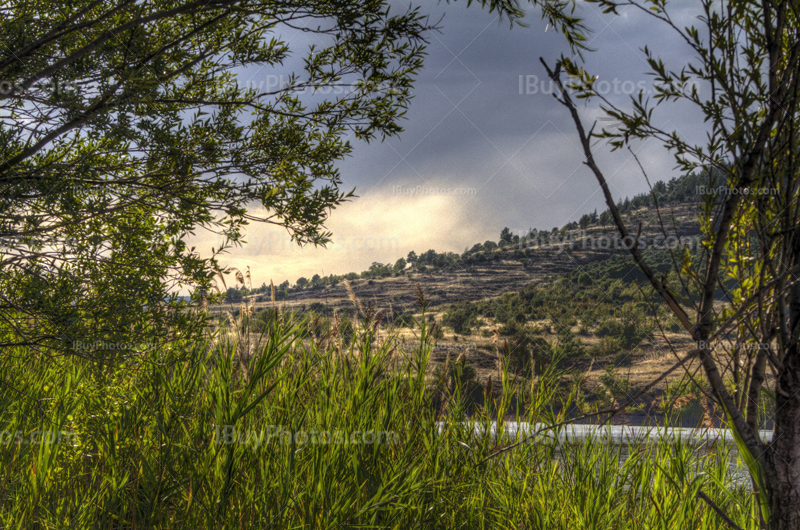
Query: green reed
x=318, y=434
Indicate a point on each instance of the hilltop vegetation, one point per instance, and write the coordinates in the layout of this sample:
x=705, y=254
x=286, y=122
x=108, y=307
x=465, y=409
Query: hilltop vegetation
x=557, y=296
x=597, y=291
x=535, y=243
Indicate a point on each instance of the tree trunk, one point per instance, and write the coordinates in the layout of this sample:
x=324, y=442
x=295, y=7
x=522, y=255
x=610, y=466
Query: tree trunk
x=783, y=459
x=783, y=479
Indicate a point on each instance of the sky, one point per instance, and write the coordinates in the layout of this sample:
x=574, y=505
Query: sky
x=485, y=145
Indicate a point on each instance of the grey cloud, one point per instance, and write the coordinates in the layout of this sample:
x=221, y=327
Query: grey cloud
x=470, y=126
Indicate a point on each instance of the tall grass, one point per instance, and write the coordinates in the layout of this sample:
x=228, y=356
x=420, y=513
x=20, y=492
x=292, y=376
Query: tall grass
x=316, y=434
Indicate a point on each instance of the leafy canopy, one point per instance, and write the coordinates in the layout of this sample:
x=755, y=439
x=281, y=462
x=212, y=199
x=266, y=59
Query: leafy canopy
x=126, y=126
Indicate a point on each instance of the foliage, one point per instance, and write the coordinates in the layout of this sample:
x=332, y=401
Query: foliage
x=233, y=295
x=125, y=128
x=194, y=435
x=568, y=346
x=627, y=332
x=461, y=317
x=618, y=387
x=528, y=354
x=456, y=382
x=746, y=58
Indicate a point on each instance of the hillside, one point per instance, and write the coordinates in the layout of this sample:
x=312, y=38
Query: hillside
x=481, y=275
x=490, y=268
x=573, y=293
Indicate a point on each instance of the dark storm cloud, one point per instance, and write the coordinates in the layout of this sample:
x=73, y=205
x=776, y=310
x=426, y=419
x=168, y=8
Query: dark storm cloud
x=482, y=117
x=485, y=145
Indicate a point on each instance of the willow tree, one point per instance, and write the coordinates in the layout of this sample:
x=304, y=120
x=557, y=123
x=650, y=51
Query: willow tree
x=125, y=126
x=742, y=80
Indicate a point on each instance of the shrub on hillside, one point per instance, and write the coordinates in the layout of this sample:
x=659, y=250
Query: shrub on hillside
x=404, y=319
x=616, y=386
x=462, y=318
x=346, y=330
x=608, y=346
x=263, y=321
x=528, y=354
x=568, y=346
x=510, y=328
x=457, y=378
x=629, y=333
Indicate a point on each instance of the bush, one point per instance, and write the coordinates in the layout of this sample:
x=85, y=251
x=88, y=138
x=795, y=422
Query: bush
x=318, y=307
x=538, y=329
x=462, y=318
x=317, y=325
x=263, y=321
x=458, y=372
x=528, y=354
x=568, y=346
x=454, y=379
x=404, y=319
x=346, y=330
x=619, y=387
x=509, y=328
x=628, y=334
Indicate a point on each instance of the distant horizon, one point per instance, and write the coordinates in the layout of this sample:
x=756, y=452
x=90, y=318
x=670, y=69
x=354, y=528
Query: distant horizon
x=485, y=145
x=278, y=239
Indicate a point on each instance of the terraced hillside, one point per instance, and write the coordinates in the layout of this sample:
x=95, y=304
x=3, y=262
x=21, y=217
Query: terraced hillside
x=507, y=268
x=582, y=297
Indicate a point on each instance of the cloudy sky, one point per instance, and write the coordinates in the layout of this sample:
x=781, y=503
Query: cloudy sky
x=485, y=146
